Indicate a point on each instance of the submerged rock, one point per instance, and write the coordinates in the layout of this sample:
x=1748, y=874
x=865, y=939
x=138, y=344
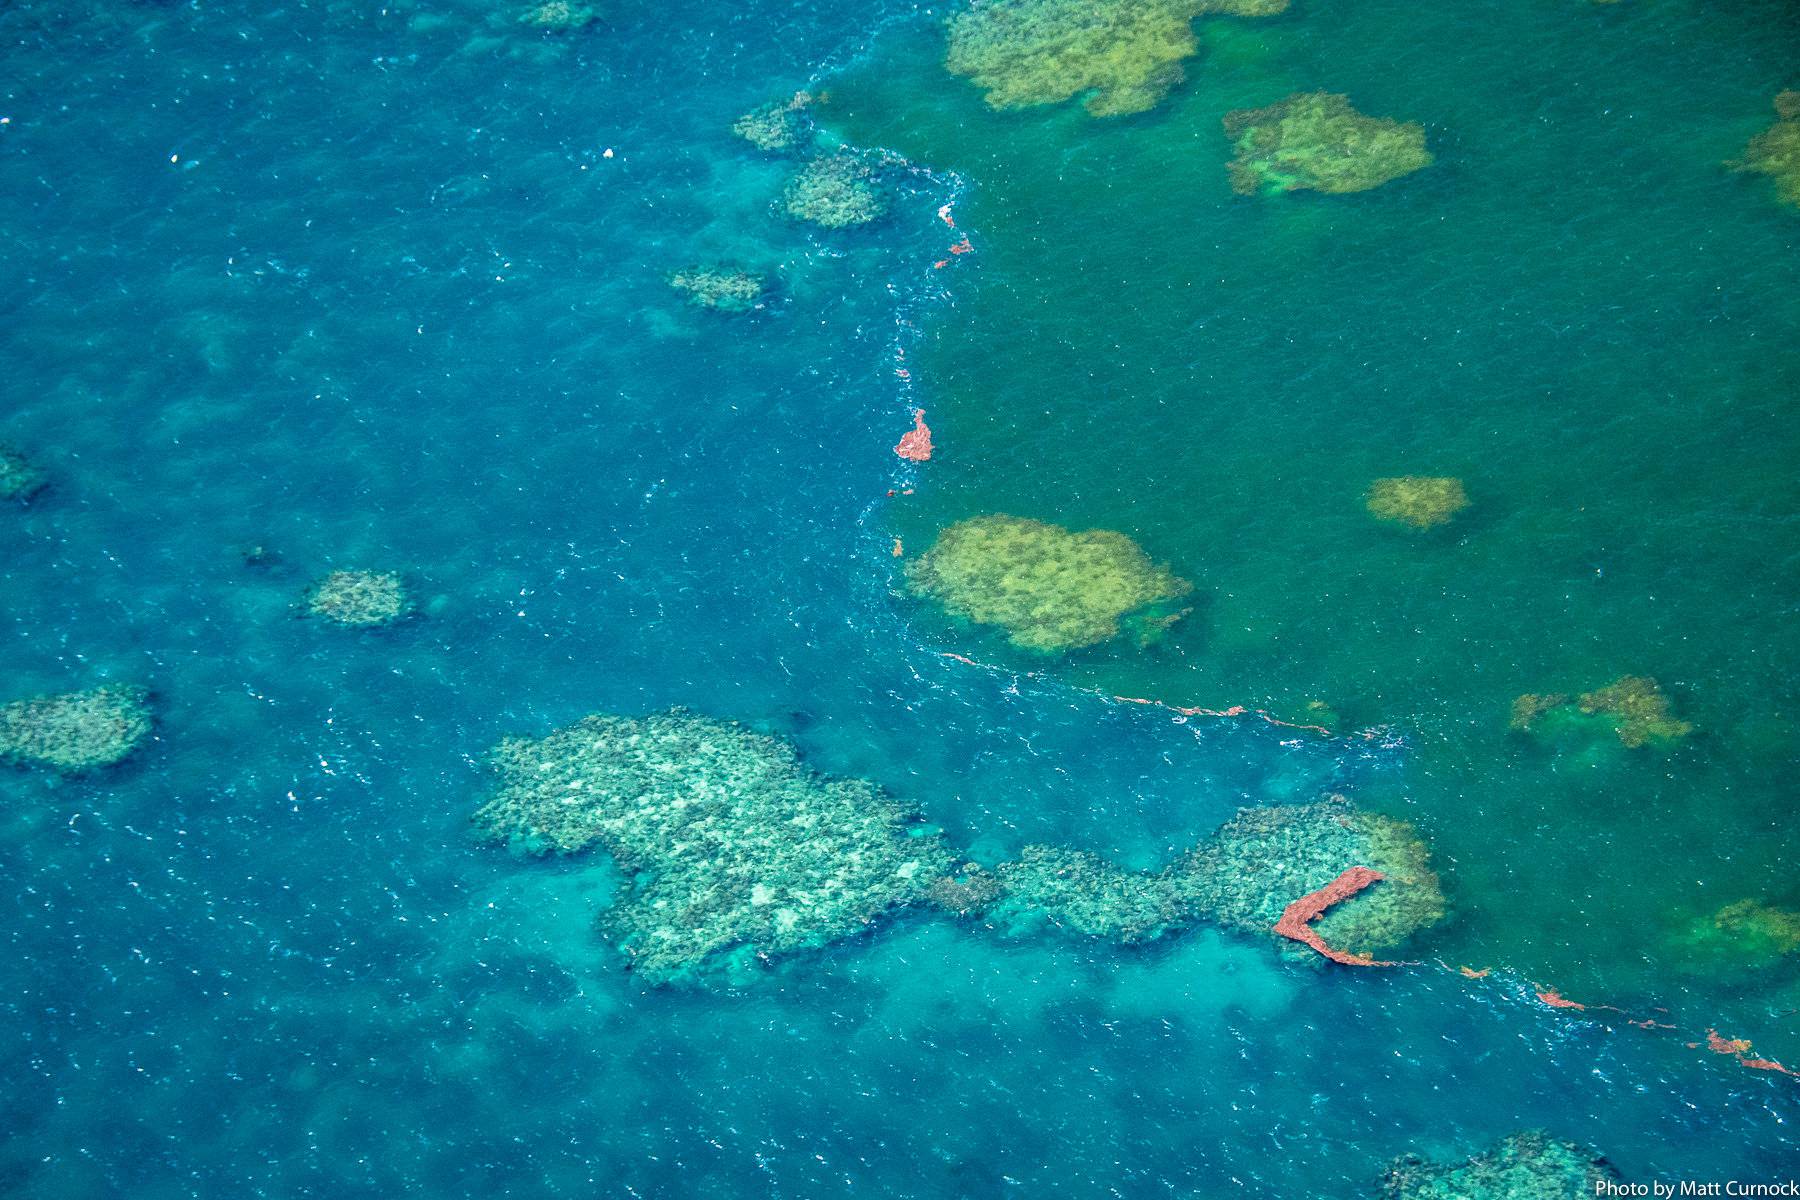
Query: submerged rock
x=1050, y=589
x=1264, y=859
x=1315, y=140
x=1085, y=894
x=1524, y=1166
x=778, y=126
x=19, y=479
x=1633, y=709
x=1421, y=501
x=1123, y=55
x=735, y=850
x=77, y=731
x=723, y=289
x=838, y=191
x=1775, y=152
x=359, y=599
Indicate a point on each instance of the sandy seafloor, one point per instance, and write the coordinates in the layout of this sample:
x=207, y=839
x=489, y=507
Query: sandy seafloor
x=359, y=284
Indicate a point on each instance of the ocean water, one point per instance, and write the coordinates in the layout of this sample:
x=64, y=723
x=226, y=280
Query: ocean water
x=362, y=285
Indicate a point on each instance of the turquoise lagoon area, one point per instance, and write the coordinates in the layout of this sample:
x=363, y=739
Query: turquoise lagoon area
x=327, y=285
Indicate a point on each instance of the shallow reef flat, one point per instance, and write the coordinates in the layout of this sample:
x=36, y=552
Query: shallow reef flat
x=736, y=850
x=76, y=732
x=1523, y=1166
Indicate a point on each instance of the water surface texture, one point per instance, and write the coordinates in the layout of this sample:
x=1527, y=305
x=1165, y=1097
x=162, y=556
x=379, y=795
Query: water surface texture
x=384, y=286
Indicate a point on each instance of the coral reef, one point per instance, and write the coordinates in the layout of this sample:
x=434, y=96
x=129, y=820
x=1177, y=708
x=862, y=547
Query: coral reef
x=778, y=126
x=1123, y=55
x=1748, y=933
x=1050, y=589
x=1775, y=152
x=1421, y=501
x=76, y=732
x=724, y=289
x=19, y=479
x=1524, y=1166
x=1316, y=140
x=359, y=599
x=558, y=16
x=1085, y=894
x=1297, y=918
x=968, y=891
x=1247, y=874
x=735, y=850
x=1633, y=709
x=837, y=191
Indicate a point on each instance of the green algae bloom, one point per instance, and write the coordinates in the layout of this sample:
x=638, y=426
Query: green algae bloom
x=1050, y=589
x=359, y=599
x=76, y=732
x=1122, y=55
x=19, y=479
x=1633, y=709
x=1746, y=934
x=1524, y=1166
x=1421, y=501
x=736, y=852
x=558, y=16
x=1316, y=140
x=838, y=191
x=1087, y=895
x=1776, y=151
x=779, y=126
x=1264, y=859
x=723, y=289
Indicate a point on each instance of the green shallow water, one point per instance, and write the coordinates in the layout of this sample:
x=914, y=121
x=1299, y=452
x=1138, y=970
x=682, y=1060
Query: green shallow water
x=1577, y=310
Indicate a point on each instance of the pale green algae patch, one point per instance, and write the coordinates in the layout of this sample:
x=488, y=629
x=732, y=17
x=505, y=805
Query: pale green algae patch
x=838, y=191
x=723, y=289
x=1524, y=1166
x=359, y=599
x=1633, y=709
x=1264, y=859
x=77, y=731
x=1776, y=151
x=735, y=850
x=1123, y=55
x=1315, y=140
x=1083, y=893
x=1745, y=934
x=1421, y=501
x=19, y=479
x=1049, y=588
x=558, y=16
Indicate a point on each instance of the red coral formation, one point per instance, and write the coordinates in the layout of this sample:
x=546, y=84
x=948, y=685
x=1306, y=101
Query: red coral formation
x=916, y=445
x=1297, y=918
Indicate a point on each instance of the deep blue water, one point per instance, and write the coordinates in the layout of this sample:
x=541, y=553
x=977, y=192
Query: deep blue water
x=360, y=285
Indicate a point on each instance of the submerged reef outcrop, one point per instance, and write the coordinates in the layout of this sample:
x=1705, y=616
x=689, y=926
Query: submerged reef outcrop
x=1085, y=894
x=1122, y=55
x=1421, y=501
x=723, y=289
x=19, y=479
x=1633, y=709
x=735, y=851
x=558, y=16
x=1747, y=934
x=1775, y=152
x=778, y=126
x=1049, y=588
x=77, y=731
x=1315, y=140
x=1247, y=874
x=837, y=191
x=359, y=599
x=1523, y=1166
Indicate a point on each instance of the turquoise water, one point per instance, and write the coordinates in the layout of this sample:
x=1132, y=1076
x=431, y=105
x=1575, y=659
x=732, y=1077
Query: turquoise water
x=362, y=286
